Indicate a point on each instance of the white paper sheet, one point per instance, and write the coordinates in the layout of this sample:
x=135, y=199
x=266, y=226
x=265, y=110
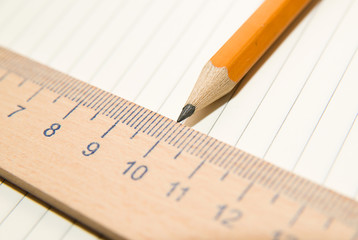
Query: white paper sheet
x=297, y=108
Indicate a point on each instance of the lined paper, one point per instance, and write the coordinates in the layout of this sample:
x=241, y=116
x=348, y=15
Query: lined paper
x=297, y=108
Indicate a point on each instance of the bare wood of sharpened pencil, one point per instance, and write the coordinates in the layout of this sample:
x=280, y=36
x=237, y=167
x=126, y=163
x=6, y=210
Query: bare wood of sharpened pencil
x=235, y=58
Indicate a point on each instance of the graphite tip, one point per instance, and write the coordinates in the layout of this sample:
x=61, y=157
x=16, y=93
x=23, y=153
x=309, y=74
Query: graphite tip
x=187, y=111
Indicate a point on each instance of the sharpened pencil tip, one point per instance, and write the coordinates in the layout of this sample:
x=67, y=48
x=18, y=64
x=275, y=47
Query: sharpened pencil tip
x=187, y=111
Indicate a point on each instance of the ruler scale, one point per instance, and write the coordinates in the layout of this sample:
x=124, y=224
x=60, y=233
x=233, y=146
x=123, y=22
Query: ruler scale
x=129, y=172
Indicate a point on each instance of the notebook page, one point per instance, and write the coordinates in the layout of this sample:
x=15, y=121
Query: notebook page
x=297, y=104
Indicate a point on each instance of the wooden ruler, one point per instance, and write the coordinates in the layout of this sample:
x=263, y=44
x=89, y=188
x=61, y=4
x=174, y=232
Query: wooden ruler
x=126, y=171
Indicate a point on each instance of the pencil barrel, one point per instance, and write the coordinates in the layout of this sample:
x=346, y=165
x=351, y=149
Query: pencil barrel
x=256, y=35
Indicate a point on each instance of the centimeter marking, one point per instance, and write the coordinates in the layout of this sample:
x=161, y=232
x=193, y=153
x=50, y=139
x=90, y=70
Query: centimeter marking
x=231, y=161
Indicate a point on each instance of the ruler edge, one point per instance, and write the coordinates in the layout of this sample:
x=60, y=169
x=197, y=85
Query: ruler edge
x=70, y=214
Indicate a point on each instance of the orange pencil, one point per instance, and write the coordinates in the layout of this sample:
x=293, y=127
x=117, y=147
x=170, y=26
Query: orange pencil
x=235, y=58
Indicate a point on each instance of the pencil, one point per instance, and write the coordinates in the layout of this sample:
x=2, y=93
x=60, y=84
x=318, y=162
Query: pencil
x=235, y=58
